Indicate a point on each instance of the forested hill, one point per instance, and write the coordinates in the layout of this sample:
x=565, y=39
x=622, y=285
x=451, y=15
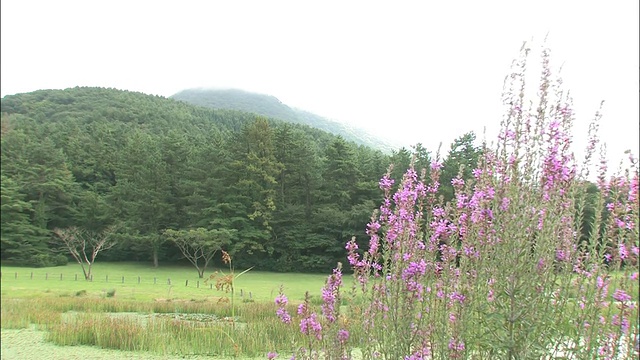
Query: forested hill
x=271, y=107
x=286, y=196
x=289, y=195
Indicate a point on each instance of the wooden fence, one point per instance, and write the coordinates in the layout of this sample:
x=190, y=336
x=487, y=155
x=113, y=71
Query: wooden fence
x=106, y=279
x=115, y=280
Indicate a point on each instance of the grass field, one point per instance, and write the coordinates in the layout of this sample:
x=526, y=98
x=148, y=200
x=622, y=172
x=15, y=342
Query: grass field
x=185, y=284
x=132, y=307
x=129, y=310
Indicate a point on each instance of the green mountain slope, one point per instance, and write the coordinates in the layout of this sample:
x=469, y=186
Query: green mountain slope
x=282, y=196
x=271, y=107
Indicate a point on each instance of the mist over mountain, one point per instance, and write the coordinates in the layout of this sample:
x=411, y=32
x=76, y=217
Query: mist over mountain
x=270, y=106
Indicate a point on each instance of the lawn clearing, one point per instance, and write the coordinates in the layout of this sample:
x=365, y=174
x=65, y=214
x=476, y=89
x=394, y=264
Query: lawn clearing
x=135, y=281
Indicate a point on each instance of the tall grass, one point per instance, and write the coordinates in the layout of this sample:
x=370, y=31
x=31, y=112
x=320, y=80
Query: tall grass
x=157, y=327
x=80, y=313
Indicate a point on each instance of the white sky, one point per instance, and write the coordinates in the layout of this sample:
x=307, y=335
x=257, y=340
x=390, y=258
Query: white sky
x=422, y=71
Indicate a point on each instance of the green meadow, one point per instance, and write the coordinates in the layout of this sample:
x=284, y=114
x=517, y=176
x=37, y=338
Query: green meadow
x=142, y=282
x=165, y=311
x=130, y=310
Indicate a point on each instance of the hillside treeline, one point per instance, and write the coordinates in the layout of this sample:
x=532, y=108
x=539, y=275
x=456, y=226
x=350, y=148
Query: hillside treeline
x=290, y=195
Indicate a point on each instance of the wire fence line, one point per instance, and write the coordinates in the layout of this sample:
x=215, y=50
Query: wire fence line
x=113, y=279
x=247, y=296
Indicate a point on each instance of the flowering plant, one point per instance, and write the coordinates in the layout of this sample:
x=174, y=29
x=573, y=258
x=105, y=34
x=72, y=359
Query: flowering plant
x=515, y=267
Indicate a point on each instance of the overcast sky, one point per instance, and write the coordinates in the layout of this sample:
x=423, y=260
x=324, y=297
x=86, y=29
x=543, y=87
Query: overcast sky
x=423, y=71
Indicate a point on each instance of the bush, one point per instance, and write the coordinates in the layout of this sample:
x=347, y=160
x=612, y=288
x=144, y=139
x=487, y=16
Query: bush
x=60, y=260
x=46, y=260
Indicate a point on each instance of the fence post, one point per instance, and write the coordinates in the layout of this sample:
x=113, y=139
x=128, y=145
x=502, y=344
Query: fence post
x=198, y=284
x=123, y=279
x=16, y=275
x=60, y=276
x=106, y=278
x=186, y=283
x=169, y=281
x=138, y=279
x=32, y=275
x=91, y=278
x=154, y=280
x=76, y=277
x=211, y=286
x=46, y=276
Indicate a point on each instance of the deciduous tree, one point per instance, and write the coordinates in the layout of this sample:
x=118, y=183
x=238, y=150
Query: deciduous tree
x=85, y=245
x=199, y=246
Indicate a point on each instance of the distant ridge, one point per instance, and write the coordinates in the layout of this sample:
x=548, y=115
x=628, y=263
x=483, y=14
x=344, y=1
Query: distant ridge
x=270, y=106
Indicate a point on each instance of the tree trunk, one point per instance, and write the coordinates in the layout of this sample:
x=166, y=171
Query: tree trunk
x=84, y=270
x=87, y=274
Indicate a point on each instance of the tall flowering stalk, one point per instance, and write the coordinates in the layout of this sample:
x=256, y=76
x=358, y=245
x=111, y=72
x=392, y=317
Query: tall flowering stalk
x=326, y=333
x=505, y=270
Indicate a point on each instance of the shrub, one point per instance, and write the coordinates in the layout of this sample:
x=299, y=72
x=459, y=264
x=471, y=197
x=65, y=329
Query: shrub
x=46, y=260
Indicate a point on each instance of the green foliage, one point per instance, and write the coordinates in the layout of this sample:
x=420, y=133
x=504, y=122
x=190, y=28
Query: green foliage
x=91, y=157
x=200, y=245
x=461, y=160
x=46, y=260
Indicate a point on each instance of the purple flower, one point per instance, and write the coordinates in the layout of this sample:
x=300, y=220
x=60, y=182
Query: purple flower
x=330, y=294
x=491, y=296
x=561, y=255
x=456, y=296
x=311, y=326
x=283, y=315
x=272, y=355
x=621, y=296
x=415, y=269
x=504, y=205
x=438, y=211
x=281, y=300
x=622, y=250
x=456, y=345
x=302, y=308
x=343, y=336
x=386, y=183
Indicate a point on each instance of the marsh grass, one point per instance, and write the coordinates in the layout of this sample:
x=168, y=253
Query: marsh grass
x=20, y=314
x=38, y=296
x=167, y=327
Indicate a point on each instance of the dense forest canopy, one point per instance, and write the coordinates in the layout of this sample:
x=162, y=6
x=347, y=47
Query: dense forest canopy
x=288, y=196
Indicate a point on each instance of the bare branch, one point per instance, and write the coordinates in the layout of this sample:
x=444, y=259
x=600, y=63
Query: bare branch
x=199, y=246
x=78, y=241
